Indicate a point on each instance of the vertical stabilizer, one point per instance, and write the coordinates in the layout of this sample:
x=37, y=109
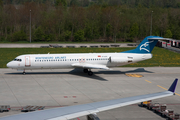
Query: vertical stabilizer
x=146, y=46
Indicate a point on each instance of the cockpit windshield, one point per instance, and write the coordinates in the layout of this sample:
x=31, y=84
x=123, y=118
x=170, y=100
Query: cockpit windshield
x=17, y=60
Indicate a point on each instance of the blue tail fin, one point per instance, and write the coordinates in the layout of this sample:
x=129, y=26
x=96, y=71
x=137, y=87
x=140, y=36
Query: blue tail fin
x=173, y=86
x=146, y=46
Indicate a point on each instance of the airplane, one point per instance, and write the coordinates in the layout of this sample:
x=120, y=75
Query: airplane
x=85, y=61
x=91, y=109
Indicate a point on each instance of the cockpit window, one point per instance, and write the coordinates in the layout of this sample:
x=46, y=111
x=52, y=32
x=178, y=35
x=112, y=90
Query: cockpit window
x=18, y=60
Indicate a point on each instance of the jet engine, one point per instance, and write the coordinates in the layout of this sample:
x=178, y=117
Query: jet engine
x=119, y=59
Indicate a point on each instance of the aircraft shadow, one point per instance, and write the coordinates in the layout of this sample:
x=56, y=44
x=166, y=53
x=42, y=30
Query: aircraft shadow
x=138, y=70
x=76, y=72
x=124, y=72
x=79, y=72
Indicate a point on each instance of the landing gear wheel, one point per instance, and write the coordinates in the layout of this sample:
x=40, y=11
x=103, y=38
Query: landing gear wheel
x=85, y=70
x=90, y=73
x=24, y=72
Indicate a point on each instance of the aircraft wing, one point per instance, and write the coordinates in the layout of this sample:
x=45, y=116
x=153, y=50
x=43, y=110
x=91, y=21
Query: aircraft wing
x=70, y=112
x=90, y=66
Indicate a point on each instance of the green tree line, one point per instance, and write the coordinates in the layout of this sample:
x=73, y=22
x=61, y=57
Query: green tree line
x=98, y=20
x=83, y=3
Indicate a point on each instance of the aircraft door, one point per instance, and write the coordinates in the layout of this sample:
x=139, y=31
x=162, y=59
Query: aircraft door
x=27, y=61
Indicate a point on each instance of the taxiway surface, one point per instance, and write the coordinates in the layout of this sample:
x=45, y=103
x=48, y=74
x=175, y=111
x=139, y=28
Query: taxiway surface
x=65, y=87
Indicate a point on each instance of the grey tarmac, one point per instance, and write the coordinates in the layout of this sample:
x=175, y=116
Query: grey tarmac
x=65, y=87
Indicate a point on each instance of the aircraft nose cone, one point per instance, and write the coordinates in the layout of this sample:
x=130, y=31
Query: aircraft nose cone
x=9, y=64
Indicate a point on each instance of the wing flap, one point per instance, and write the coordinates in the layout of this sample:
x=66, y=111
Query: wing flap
x=121, y=103
x=75, y=115
x=58, y=118
x=89, y=66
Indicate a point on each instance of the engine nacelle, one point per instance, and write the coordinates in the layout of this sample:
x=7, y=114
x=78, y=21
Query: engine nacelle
x=119, y=59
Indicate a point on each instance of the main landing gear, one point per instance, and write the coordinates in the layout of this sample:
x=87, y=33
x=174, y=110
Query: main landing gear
x=24, y=72
x=90, y=73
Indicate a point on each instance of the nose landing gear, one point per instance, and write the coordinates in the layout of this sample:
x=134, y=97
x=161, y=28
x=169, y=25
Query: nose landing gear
x=90, y=73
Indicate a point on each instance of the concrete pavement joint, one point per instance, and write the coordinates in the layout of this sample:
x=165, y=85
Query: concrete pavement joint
x=12, y=91
x=79, y=90
x=45, y=90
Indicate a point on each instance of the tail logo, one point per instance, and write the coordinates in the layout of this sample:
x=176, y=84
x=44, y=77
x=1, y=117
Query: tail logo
x=143, y=46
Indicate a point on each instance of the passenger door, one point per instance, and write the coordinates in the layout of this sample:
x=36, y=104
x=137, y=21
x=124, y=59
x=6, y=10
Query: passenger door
x=27, y=61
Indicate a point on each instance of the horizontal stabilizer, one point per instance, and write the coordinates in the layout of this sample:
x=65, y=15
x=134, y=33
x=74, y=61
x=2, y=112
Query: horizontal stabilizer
x=154, y=38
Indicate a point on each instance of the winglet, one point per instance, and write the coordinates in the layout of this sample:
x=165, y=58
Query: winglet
x=173, y=86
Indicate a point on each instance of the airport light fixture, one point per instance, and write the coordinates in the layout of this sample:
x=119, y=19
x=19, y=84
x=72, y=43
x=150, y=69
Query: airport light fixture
x=151, y=24
x=30, y=27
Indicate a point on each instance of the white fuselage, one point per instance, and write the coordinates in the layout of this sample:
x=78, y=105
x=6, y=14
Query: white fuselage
x=59, y=61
